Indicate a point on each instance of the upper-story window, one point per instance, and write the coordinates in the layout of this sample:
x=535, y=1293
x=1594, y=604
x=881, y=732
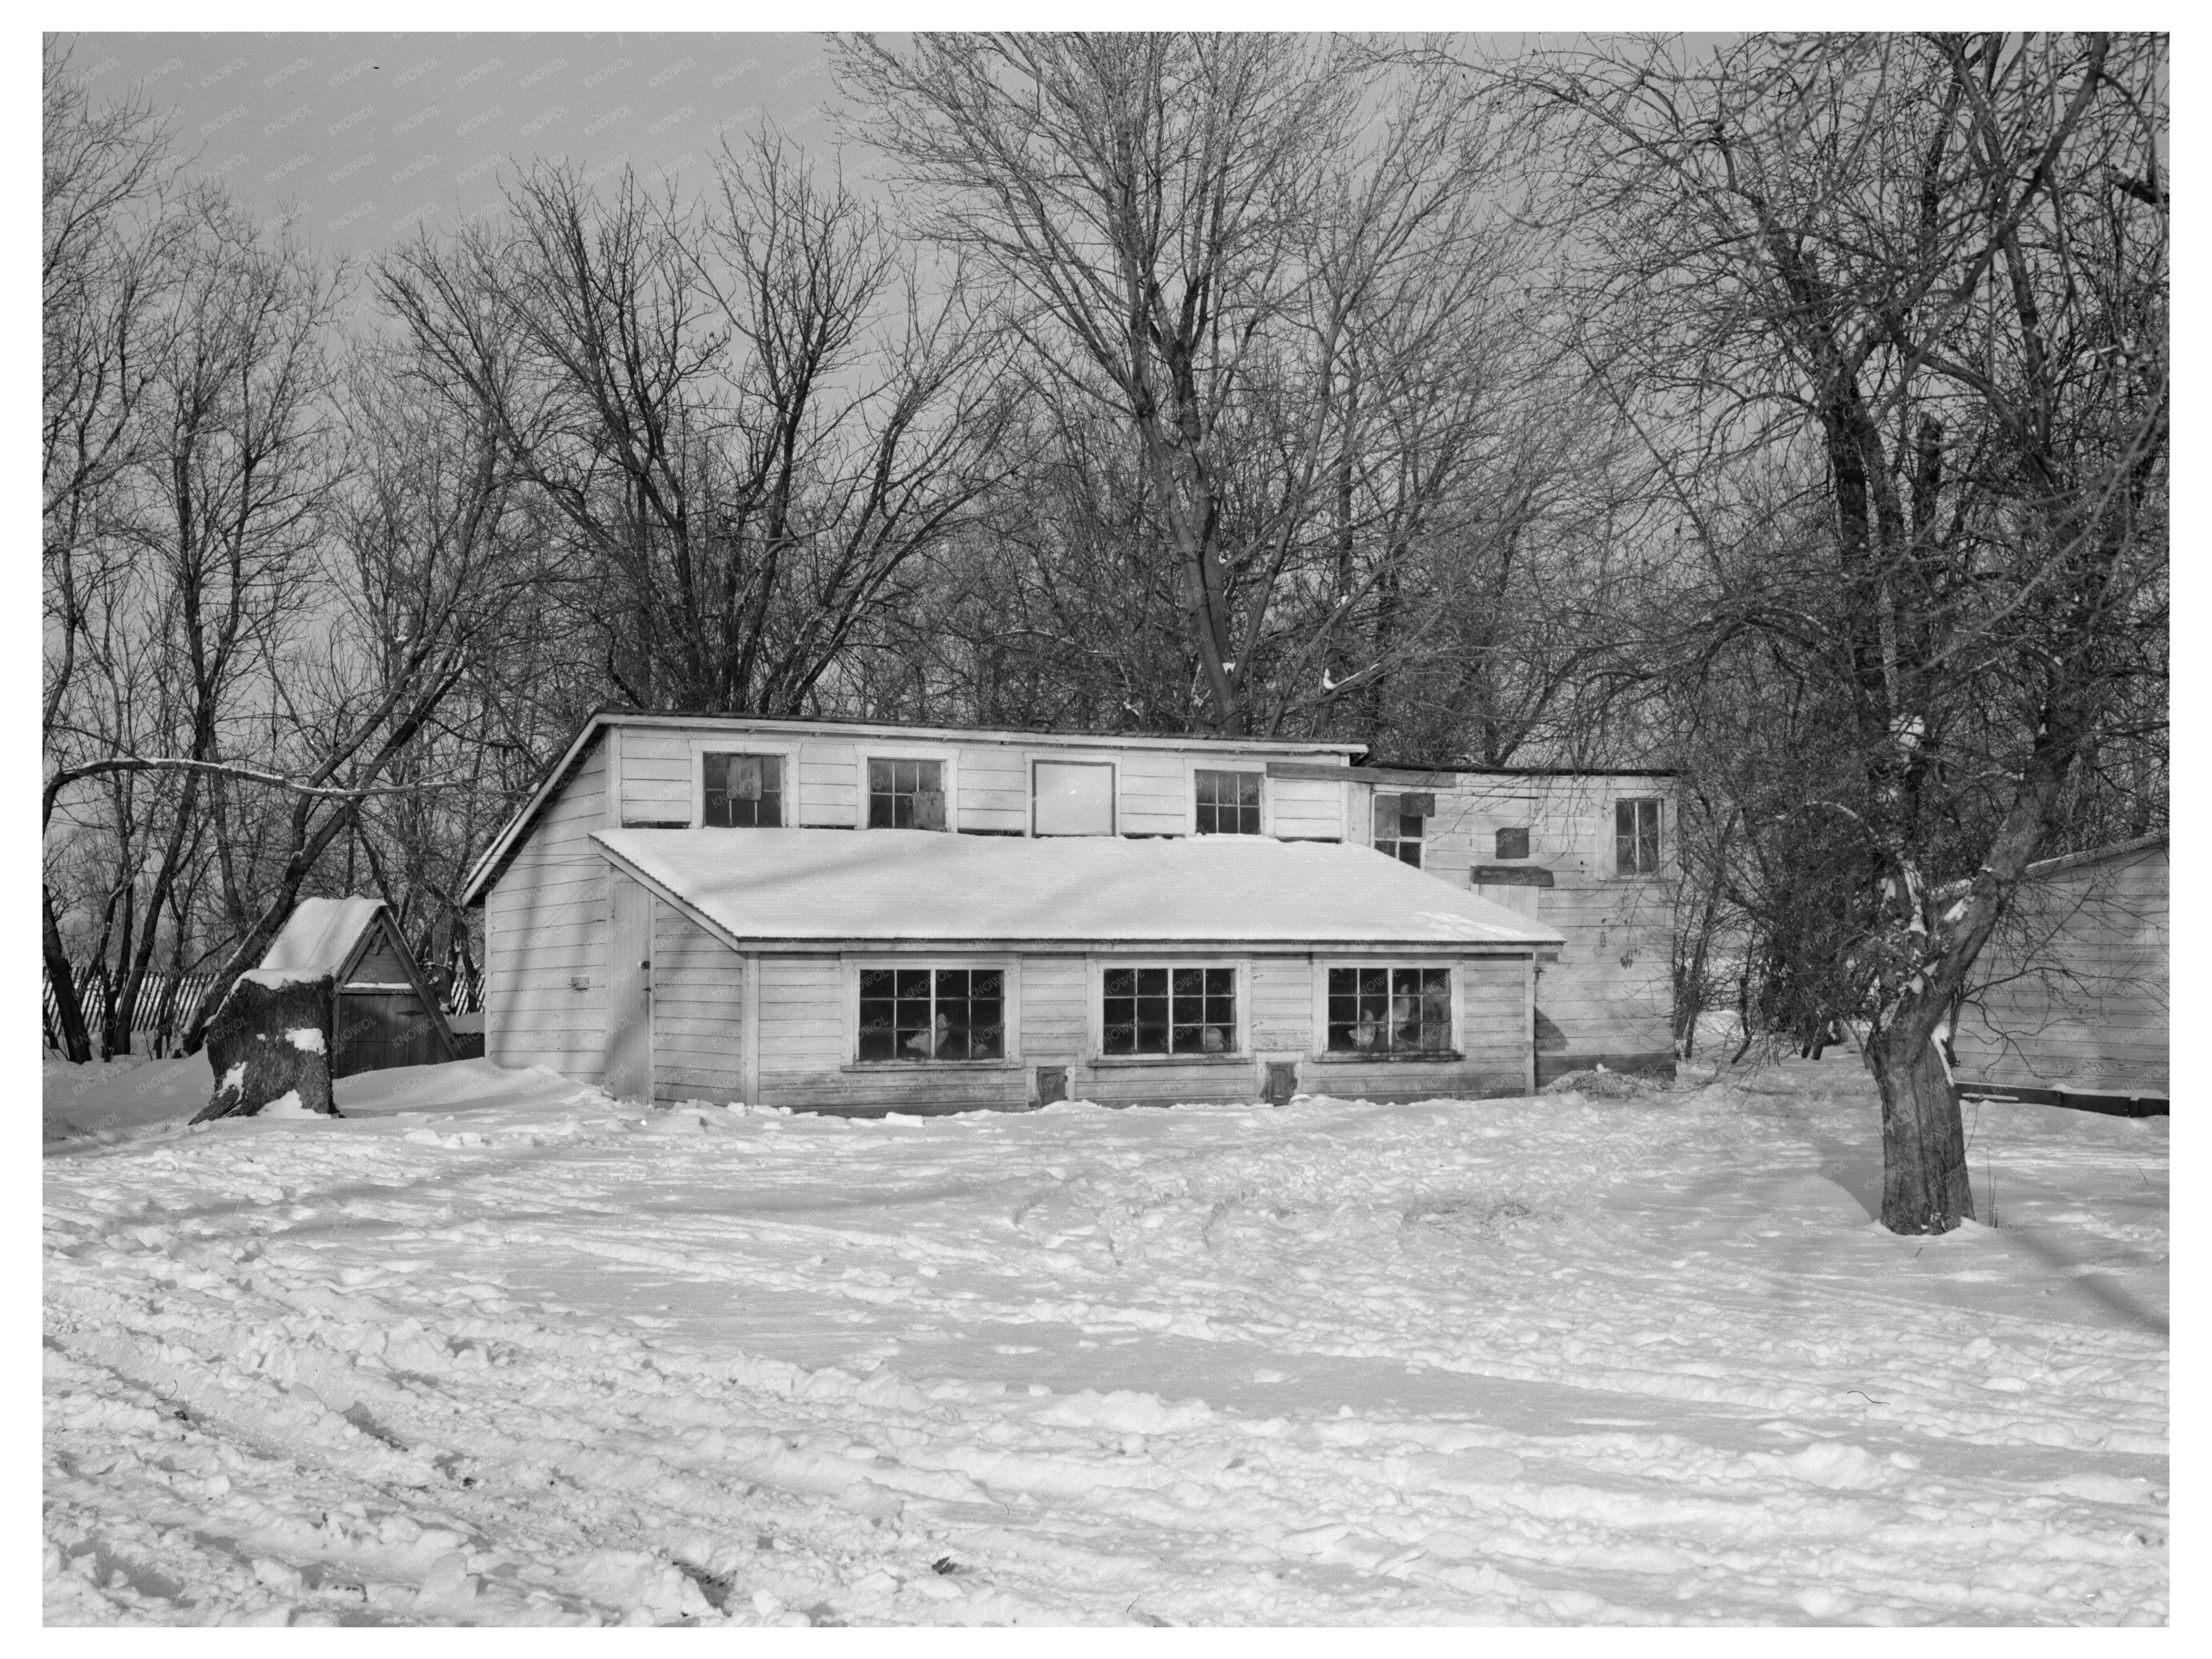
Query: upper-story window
x=1400, y=823
x=741, y=790
x=1228, y=803
x=906, y=794
x=1071, y=798
x=1513, y=843
x=1636, y=837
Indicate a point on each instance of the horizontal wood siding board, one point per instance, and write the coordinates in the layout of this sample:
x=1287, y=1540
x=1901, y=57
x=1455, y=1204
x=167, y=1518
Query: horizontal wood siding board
x=914, y=1091
x=545, y=919
x=698, y=1011
x=1471, y=1080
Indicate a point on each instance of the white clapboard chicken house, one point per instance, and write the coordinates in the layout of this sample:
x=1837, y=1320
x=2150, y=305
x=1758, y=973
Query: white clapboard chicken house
x=863, y=918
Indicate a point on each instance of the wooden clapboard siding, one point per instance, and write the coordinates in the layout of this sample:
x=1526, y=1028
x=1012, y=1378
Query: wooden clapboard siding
x=1155, y=793
x=656, y=776
x=802, y=1015
x=829, y=788
x=545, y=922
x=1599, y=1003
x=860, y=1091
x=1279, y=1021
x=381, y=963
x=1305, y=809
x=1413, y=1079
x=698, y=1013
x=1053, y=1019
x=994, y=789
x=1593, y=1004
x=1168, y=1083
x=2073, y=986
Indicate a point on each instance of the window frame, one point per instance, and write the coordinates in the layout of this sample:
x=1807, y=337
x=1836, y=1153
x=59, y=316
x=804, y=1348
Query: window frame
x=1397, y=842
x=1266, y=804
x=788, y=753
x=1456, y=980
x=946, y=757
x=1094, y=1009
x=1010, y=969
x=1659, y=838
x=1112, y=770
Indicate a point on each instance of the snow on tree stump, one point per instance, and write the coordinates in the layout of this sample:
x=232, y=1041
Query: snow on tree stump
x=270, y=1047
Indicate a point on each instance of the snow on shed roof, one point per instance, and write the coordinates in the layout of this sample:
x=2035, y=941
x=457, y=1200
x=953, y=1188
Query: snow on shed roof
x=915, y=885
x=320, y=935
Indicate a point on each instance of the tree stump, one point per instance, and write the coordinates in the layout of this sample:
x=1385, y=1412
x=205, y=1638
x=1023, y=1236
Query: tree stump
x=270, y=1047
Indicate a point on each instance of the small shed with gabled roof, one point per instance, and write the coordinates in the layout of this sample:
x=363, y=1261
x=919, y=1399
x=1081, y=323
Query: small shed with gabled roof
x=913, y=972
x=387, y=1013
x=2070, y=1005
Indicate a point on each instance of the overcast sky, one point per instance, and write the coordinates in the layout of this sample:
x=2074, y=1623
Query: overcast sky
x=368, y=135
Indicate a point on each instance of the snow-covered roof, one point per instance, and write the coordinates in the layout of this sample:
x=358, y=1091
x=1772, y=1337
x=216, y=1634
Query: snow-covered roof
x=320, y=935
x=916, y=884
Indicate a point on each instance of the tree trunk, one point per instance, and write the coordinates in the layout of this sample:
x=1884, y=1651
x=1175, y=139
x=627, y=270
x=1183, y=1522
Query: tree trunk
x=271, y=1043
x=76, y=1042
x=1924, y=1140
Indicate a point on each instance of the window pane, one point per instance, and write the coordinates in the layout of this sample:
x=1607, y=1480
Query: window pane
x=877, y=1038
x=1386, y=816
x=1513, y=843
x=1435, y=1008
x=740, y=791
x=1120, y=981
x=767, y=813
x=1073, y=799
x=1228, y=803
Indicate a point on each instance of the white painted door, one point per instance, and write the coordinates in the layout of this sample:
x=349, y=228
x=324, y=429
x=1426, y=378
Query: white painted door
x=629, y=994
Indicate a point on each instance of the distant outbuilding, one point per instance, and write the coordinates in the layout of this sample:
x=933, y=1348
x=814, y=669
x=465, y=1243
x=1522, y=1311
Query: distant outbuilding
x=2072, y=1008
x=384, y=1013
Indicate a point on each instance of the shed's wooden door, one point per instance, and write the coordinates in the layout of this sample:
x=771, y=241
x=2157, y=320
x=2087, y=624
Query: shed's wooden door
x=378, y=1027
x=629, y=994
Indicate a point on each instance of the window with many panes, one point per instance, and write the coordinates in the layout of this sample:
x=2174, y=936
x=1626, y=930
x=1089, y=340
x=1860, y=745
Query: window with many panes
x=1170, y=1011
x=1228, y=803
x=741, y=790
x=1636, y=837
x=1389, y=1011
x=933, y=1014
x=1401, y=821
x=906, y=794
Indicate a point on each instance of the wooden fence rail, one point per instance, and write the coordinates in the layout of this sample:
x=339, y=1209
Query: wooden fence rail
x=168, y=1002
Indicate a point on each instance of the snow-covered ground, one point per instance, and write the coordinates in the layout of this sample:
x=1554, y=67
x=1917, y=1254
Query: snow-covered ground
x=493, y=1350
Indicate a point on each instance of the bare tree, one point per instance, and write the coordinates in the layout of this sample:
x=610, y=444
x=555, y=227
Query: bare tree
x=106, y=236
x=745, y=416
x=1905, y=299
x=1265, y=259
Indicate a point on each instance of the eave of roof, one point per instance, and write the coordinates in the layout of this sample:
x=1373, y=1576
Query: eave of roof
x=2097, y=855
